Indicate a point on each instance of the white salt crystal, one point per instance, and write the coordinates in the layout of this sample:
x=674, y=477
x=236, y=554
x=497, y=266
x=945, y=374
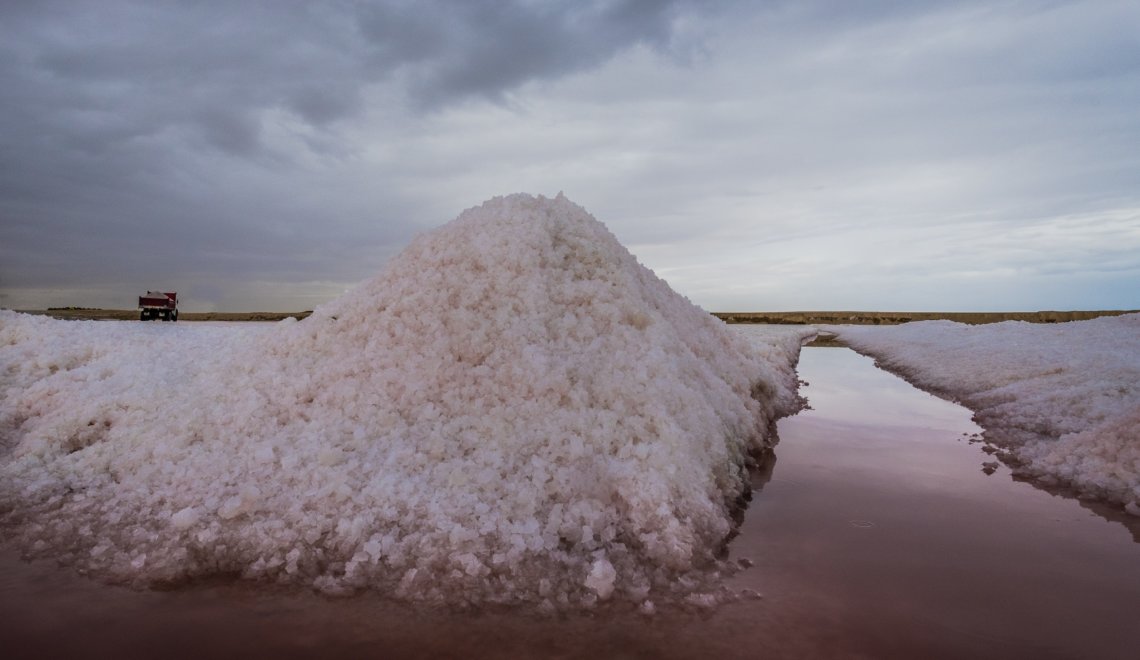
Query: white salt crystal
x=702, y=600
x=231, y=508
x=601, y=578
x=184, y=518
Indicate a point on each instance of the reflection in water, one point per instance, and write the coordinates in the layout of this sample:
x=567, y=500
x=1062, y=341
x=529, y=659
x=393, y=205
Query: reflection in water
x=877, y=536
x=885, y=409
x=763, y=471
x=881, y=516
x=1106, y=511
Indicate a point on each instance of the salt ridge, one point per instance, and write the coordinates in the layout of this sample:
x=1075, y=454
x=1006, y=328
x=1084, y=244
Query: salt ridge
x=1062, y=400
x=513, y=410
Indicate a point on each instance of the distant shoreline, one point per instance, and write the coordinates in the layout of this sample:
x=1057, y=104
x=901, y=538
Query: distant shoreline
x=774, y=318
x=896, y=318
x=86, y=314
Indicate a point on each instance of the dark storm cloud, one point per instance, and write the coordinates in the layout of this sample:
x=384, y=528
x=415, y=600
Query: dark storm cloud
x=487, y=48
x=112, y=71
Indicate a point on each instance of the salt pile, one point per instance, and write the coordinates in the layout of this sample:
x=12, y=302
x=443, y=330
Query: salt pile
x=513, y=410
x=1063, y=400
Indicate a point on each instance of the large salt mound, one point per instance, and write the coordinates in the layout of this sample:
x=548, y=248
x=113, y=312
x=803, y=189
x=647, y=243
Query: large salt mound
x=1063, y=399
x=513, y=410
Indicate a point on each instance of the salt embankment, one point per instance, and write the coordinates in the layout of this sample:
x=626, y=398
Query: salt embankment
x=1062, y=400
x=513, y=410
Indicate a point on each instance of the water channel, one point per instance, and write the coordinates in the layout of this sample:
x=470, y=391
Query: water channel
x=874, y=533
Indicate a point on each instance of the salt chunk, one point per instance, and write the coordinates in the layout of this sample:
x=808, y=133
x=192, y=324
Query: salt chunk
x=601, y=578
x=184, y=518
x=330, y=456
x=702, y=600
x=231, y=508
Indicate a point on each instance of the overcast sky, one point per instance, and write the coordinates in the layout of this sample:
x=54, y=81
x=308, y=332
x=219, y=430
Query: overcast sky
x=879, y=155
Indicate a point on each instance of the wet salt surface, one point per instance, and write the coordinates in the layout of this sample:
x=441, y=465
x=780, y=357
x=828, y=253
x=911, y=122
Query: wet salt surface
x=876, y=534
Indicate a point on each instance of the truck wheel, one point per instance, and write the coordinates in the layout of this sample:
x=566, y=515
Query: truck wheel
x=165, y=316
x=142, y=315
x=174, y=315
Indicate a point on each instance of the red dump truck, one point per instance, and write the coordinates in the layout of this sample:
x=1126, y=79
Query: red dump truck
x=158, y=305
